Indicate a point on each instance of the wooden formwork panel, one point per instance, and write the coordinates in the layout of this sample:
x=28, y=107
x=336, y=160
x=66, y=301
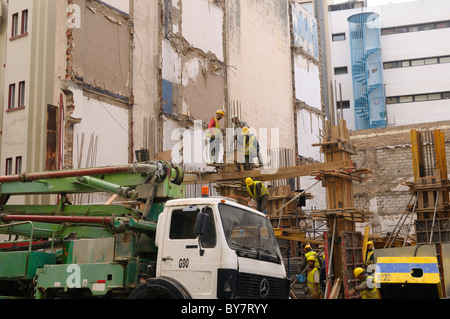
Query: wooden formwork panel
x=351, y=258
x=437, y=229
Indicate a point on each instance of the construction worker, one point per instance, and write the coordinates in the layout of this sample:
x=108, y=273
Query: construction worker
x=259, y=193
x=367, y=287
x=239, y=124
x=309, y=252
x=313, y=279
x=370, y=258
x=251, y=148
x=214, y=135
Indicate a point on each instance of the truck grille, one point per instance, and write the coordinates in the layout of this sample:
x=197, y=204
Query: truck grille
x=250, y=286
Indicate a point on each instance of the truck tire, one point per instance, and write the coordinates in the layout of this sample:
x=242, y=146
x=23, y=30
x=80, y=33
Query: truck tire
x=160, y=288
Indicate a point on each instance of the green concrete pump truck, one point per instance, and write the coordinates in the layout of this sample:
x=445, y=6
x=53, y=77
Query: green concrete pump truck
x=164, y=246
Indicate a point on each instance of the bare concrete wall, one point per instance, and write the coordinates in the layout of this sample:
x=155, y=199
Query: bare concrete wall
x=98, y=84
x=147, y=65
x=101, y=56
x=259, y=64
x=387, y=152
x=193, y=66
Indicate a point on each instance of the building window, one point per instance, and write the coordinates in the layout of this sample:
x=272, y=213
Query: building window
x=431, y=61
x=418, y=98
x=338, y=37
x=421, y=98
x=8, y=168
x=15, y=25
x=11, y=97
x=24, y=21
x=345, y=105
x=406, y=99
x=21, y=99
x=18, y=165
x=416, y=27
x=416, y=62
x=341, y=70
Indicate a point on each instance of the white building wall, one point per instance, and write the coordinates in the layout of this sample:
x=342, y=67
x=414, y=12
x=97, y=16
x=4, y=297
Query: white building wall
x=397, y=47
x=107, y=124
x=202, y=26
x=122, y=5
x=309, y=132
x=307, y=82
x=418, y=79
x=308, y=96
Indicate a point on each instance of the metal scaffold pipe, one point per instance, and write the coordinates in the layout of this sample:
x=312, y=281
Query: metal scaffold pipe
x=106, y=220
x=132, y=168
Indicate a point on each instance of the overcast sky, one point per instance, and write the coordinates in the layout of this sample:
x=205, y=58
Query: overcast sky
x=372, y=3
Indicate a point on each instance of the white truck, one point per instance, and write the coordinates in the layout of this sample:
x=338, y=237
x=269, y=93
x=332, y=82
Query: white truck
x=215, y=248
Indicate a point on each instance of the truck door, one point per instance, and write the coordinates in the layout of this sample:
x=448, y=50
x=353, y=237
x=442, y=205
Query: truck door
x=190, y=259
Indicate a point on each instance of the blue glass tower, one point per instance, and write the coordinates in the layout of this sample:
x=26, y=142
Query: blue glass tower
x=367, y=71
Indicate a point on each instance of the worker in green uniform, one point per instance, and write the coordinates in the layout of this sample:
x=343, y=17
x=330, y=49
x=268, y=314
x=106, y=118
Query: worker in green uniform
x=370, y=258
x=259, y=193
x=313, y=279
x=309, y=252
x=251, y=149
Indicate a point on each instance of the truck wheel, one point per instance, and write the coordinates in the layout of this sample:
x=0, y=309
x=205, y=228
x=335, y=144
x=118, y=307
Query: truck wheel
x=160, y=288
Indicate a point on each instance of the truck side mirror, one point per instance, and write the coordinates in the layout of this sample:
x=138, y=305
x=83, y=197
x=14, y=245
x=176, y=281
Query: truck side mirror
x=201, y=224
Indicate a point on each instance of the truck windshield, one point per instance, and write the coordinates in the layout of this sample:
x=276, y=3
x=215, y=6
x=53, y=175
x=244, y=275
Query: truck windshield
x=249, y=234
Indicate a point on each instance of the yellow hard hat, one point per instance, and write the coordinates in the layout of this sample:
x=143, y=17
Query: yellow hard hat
x=307, y=247
x=245, y=131
x=220, y=112
x=358, y=271
x=311, y=258
x=249, y=181
x=369, y=243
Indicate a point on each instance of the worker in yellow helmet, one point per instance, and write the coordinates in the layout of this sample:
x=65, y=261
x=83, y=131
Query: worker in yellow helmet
x=214, y=135
x=370, y=258
x=309, y=252
x=367, y=288
x=313, y=279
x=259, y=193
x=251, y=148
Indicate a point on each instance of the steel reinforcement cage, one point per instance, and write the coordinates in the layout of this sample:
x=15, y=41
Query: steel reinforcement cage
x=367, y=71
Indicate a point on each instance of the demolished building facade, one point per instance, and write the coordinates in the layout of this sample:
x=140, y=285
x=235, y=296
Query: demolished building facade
x=105, y=79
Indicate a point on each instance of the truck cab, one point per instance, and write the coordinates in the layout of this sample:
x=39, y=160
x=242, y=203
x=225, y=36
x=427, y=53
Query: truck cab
x=212, y=248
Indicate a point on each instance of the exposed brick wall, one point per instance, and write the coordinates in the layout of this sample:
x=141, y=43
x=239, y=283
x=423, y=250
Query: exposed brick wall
x=387, y=152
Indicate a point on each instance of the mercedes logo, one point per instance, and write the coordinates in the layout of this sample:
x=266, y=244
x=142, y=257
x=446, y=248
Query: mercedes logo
x=264, y=288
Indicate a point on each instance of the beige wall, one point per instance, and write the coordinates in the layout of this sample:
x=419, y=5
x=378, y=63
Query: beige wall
x=30, y=58
x=3, y=43
x=146, y=73
x=259, y=64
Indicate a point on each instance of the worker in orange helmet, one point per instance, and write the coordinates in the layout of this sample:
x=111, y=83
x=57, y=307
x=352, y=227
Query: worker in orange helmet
x=214, y=135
